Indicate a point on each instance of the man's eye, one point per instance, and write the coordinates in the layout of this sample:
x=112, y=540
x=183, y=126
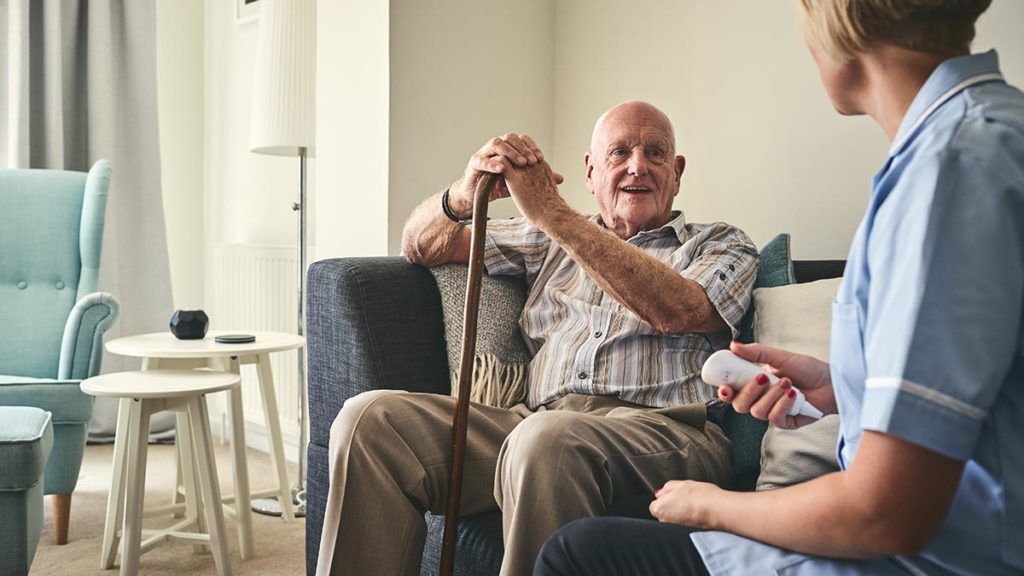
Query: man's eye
x=619, y=152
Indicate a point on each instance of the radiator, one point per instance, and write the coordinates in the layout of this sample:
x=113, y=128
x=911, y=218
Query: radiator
x=254, y=289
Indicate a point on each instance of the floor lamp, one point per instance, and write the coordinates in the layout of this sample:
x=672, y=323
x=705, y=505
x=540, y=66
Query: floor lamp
x=283, y=123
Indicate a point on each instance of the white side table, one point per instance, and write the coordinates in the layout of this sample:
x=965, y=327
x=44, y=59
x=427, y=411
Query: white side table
x=141, y=395
x=161, y=350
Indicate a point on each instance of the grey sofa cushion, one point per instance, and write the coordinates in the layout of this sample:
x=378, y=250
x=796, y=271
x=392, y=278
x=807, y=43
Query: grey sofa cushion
x=793, y=456
x=501, y=359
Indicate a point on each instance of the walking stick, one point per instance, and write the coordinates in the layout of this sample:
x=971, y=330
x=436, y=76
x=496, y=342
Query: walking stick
x=459, y=421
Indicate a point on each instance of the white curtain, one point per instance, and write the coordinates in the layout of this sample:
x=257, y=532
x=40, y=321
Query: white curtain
x=78, y=83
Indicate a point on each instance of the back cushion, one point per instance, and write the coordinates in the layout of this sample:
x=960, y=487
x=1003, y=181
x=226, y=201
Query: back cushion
x=40, y=264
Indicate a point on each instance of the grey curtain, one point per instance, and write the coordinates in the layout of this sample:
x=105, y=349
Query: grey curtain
x=78, y=83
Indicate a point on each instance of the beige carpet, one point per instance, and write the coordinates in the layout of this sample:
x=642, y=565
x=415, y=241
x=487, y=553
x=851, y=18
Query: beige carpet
x=280, y=545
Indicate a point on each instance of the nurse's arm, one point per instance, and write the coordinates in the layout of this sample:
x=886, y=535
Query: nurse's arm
x=890, y=501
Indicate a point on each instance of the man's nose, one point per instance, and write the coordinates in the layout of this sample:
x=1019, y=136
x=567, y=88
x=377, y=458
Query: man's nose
x=637, y=162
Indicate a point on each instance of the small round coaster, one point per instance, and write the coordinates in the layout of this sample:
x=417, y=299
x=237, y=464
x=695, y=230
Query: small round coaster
x=234, y=338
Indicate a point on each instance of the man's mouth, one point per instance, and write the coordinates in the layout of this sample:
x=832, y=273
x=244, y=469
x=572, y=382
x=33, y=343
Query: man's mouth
x=635, y=189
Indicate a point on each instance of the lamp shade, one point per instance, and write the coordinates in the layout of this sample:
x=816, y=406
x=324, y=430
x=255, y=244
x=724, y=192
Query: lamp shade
x=284, y=87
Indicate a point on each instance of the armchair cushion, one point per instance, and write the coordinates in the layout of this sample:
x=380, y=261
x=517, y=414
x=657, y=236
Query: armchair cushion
x=26, y=438
x=63, y=399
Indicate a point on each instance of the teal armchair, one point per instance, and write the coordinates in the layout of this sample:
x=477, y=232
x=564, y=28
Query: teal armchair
x=52, y=319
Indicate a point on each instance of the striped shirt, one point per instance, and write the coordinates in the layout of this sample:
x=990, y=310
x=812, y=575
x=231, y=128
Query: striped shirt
x=583, y=341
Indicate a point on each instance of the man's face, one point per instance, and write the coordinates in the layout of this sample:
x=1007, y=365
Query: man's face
x=632, y=169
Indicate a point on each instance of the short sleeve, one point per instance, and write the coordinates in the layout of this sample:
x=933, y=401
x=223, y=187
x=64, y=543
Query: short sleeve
x=514, y=248
x=944, y=316
x=725, y=265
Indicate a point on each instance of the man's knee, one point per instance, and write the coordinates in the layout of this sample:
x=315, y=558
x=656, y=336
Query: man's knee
x=361, y=415
x=545, y=443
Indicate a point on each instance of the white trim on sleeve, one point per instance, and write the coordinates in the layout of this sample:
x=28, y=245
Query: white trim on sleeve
x=927, y=393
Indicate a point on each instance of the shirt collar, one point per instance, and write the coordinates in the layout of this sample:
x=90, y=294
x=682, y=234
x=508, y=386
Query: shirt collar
x=677, y=226
x=943, y=79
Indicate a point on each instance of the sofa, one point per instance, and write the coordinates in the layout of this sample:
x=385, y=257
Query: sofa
x=377, y=323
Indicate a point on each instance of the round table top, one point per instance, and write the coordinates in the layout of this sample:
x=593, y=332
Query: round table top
x=160, y=383
x=166, y=345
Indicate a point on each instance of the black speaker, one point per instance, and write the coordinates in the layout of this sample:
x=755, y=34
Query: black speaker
x=189, y=324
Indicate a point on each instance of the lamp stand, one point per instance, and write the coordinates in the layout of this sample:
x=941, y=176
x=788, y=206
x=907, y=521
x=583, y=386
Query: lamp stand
x=270, y=506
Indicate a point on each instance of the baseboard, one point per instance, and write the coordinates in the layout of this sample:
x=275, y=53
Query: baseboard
x=256, y=437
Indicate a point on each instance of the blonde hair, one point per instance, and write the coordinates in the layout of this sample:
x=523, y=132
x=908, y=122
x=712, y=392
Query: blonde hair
x=842, y=28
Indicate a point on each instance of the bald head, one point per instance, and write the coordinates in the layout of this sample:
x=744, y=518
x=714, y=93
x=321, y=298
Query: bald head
x=630, y=113
x=632, y=168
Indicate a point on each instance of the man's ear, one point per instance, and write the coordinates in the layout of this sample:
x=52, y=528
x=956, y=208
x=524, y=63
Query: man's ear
x=589, y=169
x=680, y=166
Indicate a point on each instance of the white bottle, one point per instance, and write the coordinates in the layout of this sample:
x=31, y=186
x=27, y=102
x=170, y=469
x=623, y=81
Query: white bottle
x=725, y=368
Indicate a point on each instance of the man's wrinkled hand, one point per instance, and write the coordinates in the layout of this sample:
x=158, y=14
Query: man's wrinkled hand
x=499, y=156
x=534, y=189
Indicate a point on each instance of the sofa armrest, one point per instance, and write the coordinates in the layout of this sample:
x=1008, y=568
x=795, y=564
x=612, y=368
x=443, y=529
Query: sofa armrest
x=372, y=323
x=81, y=349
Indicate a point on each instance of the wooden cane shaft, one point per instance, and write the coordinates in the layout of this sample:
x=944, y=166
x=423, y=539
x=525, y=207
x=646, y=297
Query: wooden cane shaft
x=461, y=417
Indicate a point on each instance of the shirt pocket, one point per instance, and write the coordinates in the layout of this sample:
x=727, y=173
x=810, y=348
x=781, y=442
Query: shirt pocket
x=846, y=349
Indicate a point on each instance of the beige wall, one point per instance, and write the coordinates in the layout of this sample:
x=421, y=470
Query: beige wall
x=352, y=128
x=607, y=52
x=398, y=115
x=765, y=150
x=462, y=71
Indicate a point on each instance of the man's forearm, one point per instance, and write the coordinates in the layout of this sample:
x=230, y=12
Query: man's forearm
x=430, y=238
x=648, y=287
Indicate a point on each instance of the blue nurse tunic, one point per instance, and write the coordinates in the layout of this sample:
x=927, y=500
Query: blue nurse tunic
x=928, y=326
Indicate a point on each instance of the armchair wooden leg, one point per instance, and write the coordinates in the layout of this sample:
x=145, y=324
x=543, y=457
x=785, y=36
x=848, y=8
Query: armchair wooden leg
x=61, y=517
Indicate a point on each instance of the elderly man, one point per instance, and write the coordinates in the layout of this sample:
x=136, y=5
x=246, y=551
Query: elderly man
x=623, y=308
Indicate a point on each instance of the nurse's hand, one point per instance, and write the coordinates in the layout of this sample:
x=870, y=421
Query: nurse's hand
x=772, y=403
x=686, y=502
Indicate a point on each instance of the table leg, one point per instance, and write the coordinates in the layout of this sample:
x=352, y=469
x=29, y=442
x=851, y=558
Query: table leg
x=207, y=468
x=187, y=475
x=131, y=540
x=240, y=466
x=176, y=496
x=115, y=500
x=273, y=421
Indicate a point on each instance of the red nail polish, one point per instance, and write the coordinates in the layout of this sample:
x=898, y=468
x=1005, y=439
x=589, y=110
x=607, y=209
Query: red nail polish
x=791, y=393
x=761, y=379
x=725, y=393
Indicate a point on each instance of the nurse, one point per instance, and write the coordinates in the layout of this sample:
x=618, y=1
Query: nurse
x=927, y=370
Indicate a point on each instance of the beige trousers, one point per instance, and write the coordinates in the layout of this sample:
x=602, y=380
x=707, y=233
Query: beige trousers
x=390, y=455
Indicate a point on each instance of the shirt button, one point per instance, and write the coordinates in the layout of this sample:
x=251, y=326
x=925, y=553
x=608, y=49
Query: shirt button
x=22, y=285
x=721, y=276
x=582, y=375
x=597, y=334
x=59, y=285
x=732, y=268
